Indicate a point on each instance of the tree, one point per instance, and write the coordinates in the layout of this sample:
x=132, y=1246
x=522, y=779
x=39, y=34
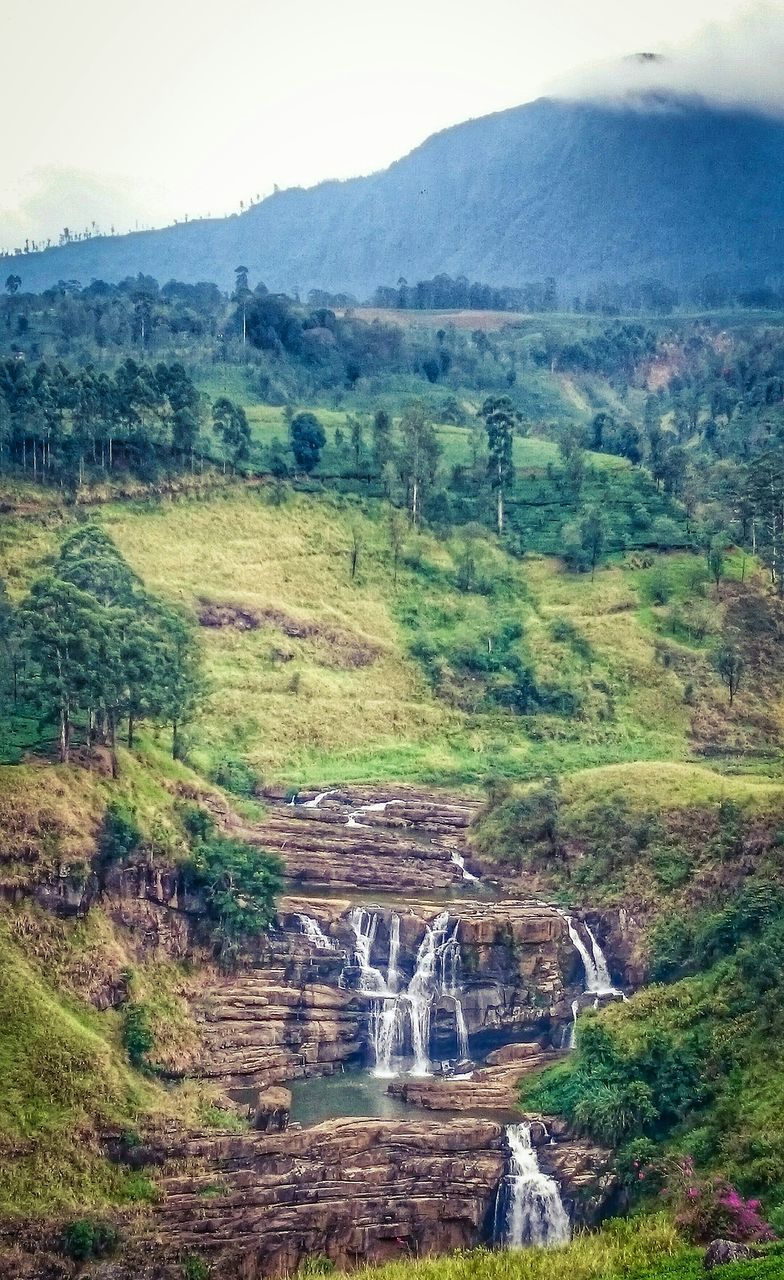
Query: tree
x=66, y=639
x=383, y=449
x=593, y=533
x=178, y=677
x=716, y=564
x=357, y=435
x=500, y=418
x=307, y=440
x=418, y=457
x=231, y=424
x=728, y=661
x=241, y=293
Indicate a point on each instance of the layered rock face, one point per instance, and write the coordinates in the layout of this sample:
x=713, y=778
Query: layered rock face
x=301, y=1014
x=258, y=1205
x=348, y=841
x=492, y=1087
x=354, y=1190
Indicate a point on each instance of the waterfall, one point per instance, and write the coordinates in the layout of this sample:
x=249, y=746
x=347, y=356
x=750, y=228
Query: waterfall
x=535, y=1213
x=364, y=925
x=316, y=801
x=356, y=814
x=450, y=970
x=458, y=860
x=597, y=973
x=422, y=990
x=315, y=934
x=437, y=973
x=393, y=973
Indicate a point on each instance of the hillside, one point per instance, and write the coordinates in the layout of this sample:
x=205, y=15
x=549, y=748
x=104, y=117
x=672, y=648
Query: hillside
x=571, y=190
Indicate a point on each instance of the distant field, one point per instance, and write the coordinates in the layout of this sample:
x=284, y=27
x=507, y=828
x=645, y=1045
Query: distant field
x=486, y=321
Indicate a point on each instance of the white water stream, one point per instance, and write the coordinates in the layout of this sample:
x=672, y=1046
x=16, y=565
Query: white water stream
x=535, y=1213
x=598, y=981
x=315, y=934
x=458, y=860
x=436, y=974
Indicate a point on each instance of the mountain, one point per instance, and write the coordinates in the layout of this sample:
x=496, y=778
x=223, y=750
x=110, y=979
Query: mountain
x=674, y=189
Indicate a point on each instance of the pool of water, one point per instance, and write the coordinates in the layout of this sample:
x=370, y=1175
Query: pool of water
x=354, y=1093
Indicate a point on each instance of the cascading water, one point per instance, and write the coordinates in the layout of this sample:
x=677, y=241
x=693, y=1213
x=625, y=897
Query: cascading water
x=364, y=926
x=421, y=991
x=437, y=973
x=597, y=973
x=315, y=934
x=458, y=860
x=450, y=969
x=534, y=1210
x=598, y=981
x=316, y=801
x=356, y=814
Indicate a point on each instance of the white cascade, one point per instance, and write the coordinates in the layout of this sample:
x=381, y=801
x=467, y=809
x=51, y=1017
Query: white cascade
x=597, y=973
x=437, y=973
x=364, y=925
x=458, y=860
x=422, y=990
x=315, y=934
x=450, y=970
x=353, y=819
x=393, y=973
x=535, y=1213
x=316, y=801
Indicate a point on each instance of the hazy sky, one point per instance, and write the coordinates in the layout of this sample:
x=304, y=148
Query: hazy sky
x=147, y=110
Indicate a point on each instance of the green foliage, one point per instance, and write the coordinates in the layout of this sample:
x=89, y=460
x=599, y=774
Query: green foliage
x=195, y=1268
x=240, y=884
x=88, y=1238
x=234, y=774
x=121, y=836
x=137, y=1035
x=95, y=648
x=519, y=827
x=307, y=440
x=316, y=1265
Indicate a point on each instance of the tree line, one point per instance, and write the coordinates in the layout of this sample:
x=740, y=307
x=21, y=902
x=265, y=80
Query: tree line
x=59, y=423
x=89, y=651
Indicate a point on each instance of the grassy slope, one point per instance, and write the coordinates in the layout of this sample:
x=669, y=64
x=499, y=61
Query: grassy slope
x=64, y=1075
x=302, y=712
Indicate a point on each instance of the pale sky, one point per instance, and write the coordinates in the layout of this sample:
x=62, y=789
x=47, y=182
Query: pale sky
x=148, y=110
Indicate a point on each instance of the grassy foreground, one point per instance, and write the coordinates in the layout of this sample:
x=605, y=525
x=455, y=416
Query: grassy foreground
x=636, y=1249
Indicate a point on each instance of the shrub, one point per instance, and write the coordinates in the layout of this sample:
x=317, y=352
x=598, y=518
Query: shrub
x=714, y=1208
x=316, y=1265
x=240, y=884
x=234, y=774
x=195, y=1268
x=137, y=1035
x=121, y=834
x=86, y=1238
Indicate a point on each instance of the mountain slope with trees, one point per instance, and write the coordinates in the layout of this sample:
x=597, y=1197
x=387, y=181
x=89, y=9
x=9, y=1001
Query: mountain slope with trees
x=671, y=189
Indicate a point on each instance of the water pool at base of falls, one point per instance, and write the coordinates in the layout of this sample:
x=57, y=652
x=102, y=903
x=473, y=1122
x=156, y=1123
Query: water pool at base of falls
x=357, y=1094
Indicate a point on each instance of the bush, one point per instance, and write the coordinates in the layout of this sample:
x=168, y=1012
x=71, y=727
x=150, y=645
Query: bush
x=86, y=1238
x=137, y=1035
x=240, y=884
x=235, y=775
x=121, y=834
x=714, y=1208
x=195, y=1268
